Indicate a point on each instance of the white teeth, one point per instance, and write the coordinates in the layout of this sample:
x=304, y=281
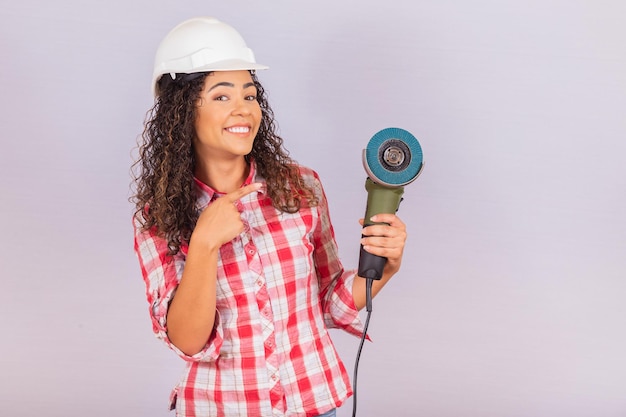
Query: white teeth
x=238, y=129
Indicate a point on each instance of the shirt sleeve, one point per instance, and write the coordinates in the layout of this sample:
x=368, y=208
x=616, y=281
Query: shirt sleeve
x=335, y=282
x=161, y=274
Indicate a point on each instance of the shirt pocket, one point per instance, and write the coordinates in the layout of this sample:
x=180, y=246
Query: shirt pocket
x=231, y=272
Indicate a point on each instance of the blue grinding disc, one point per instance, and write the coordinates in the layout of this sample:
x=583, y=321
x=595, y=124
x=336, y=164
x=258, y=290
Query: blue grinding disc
x=404, y=169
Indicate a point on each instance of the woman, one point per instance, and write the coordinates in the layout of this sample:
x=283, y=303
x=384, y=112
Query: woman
x=235, y=242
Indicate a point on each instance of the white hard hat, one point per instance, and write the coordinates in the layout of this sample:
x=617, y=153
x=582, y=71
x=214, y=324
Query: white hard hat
x=202, y=44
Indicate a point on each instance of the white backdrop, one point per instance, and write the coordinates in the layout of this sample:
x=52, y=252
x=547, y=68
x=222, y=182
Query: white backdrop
x=511, y=300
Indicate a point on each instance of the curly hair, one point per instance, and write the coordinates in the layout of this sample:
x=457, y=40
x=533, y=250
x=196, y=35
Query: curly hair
x=165, y=194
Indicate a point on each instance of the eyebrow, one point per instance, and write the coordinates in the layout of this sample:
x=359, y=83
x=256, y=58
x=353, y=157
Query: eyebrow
x=227, y=84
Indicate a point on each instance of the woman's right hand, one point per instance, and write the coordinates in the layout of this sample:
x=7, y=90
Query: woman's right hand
x=221, y=221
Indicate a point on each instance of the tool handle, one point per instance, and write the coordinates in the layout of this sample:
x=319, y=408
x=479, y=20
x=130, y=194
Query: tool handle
x=380, y=199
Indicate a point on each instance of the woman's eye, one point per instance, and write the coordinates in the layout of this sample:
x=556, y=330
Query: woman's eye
x=221, y=98
x=251, y=98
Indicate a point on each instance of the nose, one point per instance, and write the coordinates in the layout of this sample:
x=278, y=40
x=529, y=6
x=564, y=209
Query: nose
x=242, y=107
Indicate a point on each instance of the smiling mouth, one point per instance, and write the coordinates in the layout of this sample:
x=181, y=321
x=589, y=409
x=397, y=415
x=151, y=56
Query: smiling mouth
x=238, y=129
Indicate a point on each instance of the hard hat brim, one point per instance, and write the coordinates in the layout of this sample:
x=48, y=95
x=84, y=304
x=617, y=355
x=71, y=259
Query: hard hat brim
x=231, y=65
x=225, y=65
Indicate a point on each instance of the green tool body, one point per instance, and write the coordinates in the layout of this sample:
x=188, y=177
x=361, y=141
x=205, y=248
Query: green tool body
x=380, y=199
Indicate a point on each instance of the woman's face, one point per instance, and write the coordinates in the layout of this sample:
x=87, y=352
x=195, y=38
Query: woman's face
x=227, y=117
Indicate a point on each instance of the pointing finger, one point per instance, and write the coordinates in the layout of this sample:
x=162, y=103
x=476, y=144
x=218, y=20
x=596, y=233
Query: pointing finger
x=243, y=191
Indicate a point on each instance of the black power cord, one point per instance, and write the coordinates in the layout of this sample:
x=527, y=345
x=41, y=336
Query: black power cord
x=368, y=306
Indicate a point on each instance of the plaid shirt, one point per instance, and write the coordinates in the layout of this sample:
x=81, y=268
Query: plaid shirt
x=280, y=285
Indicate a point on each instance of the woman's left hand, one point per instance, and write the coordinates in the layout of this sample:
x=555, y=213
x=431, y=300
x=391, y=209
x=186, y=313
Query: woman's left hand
x=385, y=240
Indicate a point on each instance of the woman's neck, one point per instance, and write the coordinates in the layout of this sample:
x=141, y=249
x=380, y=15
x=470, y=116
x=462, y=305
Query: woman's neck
x=223, y=176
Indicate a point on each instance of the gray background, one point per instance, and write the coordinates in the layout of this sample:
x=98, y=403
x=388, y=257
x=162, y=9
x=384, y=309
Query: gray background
x=510, y=301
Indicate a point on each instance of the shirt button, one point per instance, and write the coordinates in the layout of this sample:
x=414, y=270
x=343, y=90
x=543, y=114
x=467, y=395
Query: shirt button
x=274, y=377
x=259, y=283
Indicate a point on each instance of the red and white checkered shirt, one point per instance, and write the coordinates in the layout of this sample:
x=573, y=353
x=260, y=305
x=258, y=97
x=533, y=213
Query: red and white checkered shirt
x=280, y=286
